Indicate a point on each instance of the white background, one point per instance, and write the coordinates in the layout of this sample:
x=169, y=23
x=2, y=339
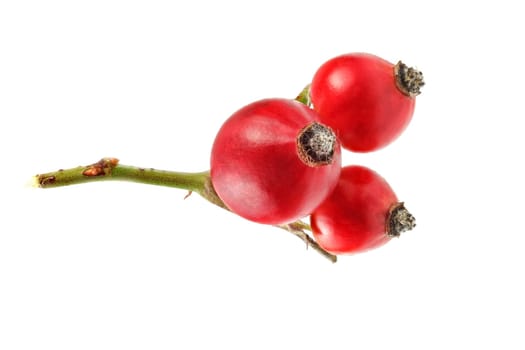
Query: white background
x=127, y=266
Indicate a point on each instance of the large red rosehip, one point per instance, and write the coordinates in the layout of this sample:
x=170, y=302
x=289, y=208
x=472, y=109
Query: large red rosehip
x=367, y=100
x=272, y=162
x=360, y=214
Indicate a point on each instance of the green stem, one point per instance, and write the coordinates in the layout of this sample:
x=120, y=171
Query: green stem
x=108, y=169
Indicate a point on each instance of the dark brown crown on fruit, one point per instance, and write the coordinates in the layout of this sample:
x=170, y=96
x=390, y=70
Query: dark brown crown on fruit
x=399, y=220
x=409, y=80
x=316, y=144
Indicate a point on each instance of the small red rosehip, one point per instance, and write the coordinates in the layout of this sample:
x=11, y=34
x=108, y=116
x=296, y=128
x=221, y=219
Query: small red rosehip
x=362, y=213
x=272, y=162
x=367, y=100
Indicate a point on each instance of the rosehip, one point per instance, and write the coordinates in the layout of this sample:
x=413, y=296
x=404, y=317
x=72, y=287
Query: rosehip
x=367, y=100
x=361, y=213
x=272, y=162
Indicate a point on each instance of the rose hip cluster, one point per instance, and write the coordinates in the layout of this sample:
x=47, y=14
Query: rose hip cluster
x=278, y=160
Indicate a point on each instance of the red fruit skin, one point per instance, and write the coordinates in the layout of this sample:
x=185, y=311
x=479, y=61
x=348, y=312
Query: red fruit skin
x=255, y=167
x=354, y=217
x=356, y=95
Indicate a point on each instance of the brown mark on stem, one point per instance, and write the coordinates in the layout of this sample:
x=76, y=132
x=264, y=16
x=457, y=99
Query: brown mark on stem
x=101, y=168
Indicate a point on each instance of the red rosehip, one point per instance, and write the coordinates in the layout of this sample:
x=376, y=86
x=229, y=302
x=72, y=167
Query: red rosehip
x=366, y=100
x=361, y=213
x=273, y=163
